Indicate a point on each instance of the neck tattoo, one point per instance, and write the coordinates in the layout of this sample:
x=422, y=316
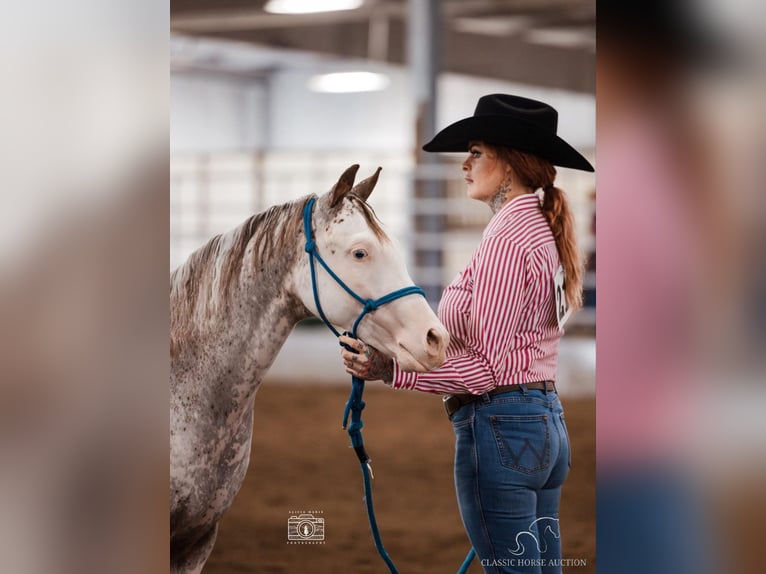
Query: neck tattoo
x=501, y=196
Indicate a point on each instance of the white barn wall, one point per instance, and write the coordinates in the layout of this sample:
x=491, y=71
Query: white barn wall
x=216, y=114
x=305, y=120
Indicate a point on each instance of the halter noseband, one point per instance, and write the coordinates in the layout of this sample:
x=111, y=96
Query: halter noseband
x=368, y=305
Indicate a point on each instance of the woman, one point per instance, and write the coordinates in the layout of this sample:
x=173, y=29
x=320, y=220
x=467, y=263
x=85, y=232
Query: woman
x=505, y=322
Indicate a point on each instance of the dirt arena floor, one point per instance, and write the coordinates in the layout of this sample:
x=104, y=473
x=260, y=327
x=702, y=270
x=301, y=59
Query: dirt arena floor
x=301, y=461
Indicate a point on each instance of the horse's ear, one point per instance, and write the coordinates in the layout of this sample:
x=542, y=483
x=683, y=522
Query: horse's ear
x=344, y=185
x=364, y=188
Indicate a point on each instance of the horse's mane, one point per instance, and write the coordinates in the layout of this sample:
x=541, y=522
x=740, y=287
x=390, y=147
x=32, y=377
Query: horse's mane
x=208, y=279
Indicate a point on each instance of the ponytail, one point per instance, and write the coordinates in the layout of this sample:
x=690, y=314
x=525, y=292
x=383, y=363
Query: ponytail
x=535, y=172
x=556, y=210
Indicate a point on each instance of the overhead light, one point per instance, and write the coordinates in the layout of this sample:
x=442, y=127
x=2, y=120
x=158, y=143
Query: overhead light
x=344, y=82
x=310, y=6
x=493, y=26
x=562, y=37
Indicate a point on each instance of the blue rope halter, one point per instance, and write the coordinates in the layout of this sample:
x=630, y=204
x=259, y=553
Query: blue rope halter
x=355, y=404
x=368, y=305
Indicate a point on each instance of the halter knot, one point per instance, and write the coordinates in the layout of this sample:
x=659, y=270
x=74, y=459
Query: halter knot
x=310, y=246
x=370, y=305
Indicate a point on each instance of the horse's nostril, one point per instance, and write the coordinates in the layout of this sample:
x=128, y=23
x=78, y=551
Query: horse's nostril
x=433, y=340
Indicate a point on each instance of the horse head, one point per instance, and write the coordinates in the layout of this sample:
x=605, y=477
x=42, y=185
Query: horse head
x=352, y=242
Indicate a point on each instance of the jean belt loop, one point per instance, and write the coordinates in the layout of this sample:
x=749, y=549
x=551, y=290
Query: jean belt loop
x=486, y=399
x=545, y=388
x=524, y=389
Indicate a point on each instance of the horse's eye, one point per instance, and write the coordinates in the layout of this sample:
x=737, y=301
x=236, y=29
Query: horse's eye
x=360, y=253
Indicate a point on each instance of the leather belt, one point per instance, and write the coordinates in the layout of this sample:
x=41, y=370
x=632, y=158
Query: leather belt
x=453, y=402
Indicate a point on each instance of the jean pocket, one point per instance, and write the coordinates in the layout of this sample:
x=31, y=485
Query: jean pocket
x=523, y=442
x=460, y=423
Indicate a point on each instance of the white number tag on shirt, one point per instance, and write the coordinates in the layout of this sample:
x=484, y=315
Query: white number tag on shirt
x=563, y=311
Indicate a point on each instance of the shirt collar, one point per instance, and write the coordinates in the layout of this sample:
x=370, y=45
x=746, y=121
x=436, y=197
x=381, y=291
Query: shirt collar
x=524, y=202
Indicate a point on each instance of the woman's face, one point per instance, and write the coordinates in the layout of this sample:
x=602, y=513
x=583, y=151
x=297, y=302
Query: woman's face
x=484, y=172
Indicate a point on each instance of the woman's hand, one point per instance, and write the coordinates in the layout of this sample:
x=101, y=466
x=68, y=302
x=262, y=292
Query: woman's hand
x=369, y=364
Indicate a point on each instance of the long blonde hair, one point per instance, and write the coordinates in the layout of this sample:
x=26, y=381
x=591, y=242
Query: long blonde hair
x=535, y=173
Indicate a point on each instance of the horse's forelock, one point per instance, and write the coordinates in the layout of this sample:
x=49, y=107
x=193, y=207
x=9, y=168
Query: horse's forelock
x=369, y=215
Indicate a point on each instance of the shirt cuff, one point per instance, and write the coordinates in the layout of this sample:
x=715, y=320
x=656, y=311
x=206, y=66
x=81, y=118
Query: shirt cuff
x=402, y=379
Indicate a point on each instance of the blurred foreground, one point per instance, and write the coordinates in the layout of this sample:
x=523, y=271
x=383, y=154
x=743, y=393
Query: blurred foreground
x=680, y=331
x=83, y=287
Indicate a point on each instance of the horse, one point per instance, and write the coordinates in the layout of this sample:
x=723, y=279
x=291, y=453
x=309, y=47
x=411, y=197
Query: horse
x=234, y=302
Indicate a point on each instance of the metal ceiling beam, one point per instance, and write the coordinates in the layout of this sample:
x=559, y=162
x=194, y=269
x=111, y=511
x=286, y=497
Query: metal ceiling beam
x=378, y=31
x=511, y=59
x=478, y=8
x=515, y=60
x=253, y=19
x=256, y=19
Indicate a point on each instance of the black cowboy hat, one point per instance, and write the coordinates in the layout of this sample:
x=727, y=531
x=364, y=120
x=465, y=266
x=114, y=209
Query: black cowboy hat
x=520, y=123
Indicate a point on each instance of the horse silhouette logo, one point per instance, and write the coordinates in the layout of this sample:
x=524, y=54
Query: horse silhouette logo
x=545, y=525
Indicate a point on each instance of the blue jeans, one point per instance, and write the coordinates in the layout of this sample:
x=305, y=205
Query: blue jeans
x=511, y=458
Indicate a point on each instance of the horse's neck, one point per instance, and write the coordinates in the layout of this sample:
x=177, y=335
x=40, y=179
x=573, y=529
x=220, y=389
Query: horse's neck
x=263, y=320
x=235, y=340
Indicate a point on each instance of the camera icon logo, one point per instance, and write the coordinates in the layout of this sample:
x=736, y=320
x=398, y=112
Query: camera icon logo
x=305, y=527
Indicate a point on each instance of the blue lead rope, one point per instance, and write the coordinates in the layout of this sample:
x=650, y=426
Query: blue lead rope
x=355, y=404
x=354, y=407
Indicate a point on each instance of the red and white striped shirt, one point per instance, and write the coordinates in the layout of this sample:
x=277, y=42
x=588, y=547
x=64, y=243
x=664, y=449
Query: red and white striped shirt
x=500, y=310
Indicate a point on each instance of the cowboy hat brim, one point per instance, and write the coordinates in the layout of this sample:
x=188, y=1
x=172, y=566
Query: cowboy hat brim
x=511, y=132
